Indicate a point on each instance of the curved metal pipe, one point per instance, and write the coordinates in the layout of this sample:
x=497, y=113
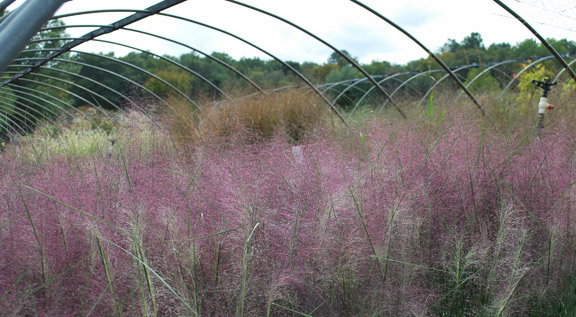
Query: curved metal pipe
x=99, y=109
x=348, y=87
x=522, y=71
x=329, y=86
x=217, y=60
x=485, y=71
x=563, y=70
x=75, y=14
x=19, y=93
x=436, y=58
x=406, y=82
x=386, y=78
x=68, y=92
x=145, y=72
x=95, y=82
x=10, y=129
x=202, y=78
x=37, y=93
x=91, y=92
x=442, y=79
x=111, y=73
x=542, y=40
x=63, y=90
x=91, y=35
x=294, y=71
x=123, y=63
x=43, y=116
x=6, y=92
x=20, y=27
x=4, y=4
x=22, y=115
x=90, y=80
x=346, y=57
x=326, y=88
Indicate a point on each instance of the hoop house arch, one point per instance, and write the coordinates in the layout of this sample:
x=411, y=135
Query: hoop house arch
x=534, y=63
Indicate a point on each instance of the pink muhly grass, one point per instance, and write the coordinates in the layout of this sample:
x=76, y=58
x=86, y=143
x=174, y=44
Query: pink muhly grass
x=411, y=220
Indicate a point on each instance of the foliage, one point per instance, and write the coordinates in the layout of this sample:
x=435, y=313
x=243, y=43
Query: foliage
x=342, y=74
x=179, y=79
x=291, y=113
x=337, y=59
x=529, y=94
x=456, y=218
x=88, y=134
x=484, y=84
x=29, y=94
x=112, y=82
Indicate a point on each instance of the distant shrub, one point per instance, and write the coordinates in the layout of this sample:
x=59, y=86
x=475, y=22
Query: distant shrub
x=484, y=84
x=80, y=137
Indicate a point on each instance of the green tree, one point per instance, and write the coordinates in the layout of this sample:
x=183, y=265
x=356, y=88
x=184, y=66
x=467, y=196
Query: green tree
x=473, y=41
x=344, y=73
x=336, y=58
x=321, y=72
x=529, y=48
x=450, y=46
x=176, y=78
x=484, y=84
x=379, y=68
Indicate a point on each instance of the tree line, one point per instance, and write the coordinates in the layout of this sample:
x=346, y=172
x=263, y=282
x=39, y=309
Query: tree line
x=103, y=79
x=270, y=74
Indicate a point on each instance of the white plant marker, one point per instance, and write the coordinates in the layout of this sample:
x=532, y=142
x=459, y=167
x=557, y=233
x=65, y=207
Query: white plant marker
x=298, y=154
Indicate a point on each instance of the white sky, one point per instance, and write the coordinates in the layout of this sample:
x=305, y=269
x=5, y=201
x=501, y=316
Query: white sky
x=340, y=22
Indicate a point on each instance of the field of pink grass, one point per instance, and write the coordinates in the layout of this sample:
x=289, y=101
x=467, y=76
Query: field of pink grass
x=410, y=219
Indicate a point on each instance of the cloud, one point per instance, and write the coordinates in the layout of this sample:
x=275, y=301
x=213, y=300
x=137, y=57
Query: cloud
x=414, y=17
x=340, y=22
x=360, y=39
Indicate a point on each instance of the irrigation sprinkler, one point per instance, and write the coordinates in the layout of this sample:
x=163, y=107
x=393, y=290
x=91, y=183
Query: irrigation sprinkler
x=543, y=105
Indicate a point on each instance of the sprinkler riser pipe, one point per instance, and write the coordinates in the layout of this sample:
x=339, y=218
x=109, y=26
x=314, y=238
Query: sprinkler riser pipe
x=543, y=105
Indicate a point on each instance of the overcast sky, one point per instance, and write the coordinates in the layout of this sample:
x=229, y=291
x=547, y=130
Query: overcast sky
x=340, y=22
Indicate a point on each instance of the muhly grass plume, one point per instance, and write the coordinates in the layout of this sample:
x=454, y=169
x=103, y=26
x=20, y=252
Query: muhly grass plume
x=416, y=218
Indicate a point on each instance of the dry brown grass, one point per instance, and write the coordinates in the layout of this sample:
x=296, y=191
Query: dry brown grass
x=293, y=113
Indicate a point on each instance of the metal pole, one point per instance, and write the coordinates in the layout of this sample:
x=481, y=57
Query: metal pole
x=17, y=31
x=487, y=70
x=4, y=4
x=35, y=93
x=536, y=62
x=442, y=79
x=194, y=73
x=434, y=56
x=347, y=58
x=38, y=4
x=542, y=40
